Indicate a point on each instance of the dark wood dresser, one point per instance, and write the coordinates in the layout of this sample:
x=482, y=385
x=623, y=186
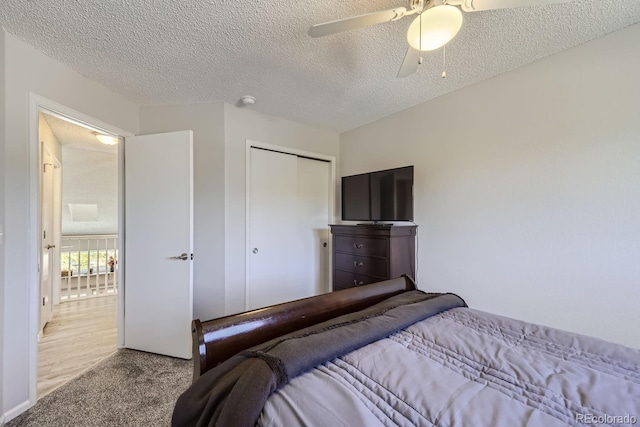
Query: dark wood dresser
x=364, y=254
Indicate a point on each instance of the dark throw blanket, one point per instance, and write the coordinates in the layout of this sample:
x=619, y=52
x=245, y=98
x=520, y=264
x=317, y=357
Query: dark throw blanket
x=234, y=392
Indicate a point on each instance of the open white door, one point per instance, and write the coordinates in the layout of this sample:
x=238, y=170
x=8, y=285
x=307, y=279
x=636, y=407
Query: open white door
x=158, y=248
x=47, y=236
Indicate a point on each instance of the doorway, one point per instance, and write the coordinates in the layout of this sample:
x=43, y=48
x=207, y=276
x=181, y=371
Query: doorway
x=79, y=230
x=87, y=213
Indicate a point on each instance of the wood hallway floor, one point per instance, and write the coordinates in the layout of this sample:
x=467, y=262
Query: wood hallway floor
x=80, y=334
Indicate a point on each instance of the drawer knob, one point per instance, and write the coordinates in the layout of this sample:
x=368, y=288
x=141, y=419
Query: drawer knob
x=358, y=245
x=358, y=264
x=356, y=283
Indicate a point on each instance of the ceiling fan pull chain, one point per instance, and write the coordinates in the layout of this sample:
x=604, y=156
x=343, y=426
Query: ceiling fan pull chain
x=444, y=61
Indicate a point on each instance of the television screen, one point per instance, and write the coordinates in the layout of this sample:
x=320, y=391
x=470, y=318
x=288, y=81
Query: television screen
x=392, y=195
x=378, y=196
x=355, y=190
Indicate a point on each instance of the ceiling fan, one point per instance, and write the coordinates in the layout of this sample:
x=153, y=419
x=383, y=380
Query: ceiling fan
x=437, y=23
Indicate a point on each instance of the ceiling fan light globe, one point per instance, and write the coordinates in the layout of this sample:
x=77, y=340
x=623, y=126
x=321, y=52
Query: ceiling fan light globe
x=440, y=24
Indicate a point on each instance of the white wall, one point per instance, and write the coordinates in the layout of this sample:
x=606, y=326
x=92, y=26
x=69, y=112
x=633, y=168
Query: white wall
x=2, y=222
x=242, y=124
x=90, y=177
x=27, y=70
x=527, y=188
x=207, y=123
x=220, y=132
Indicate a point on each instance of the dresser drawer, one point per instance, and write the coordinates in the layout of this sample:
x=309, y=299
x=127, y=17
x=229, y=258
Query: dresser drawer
x=361, y=245
x=347, y=279
x=362, y=265
x=364, y=254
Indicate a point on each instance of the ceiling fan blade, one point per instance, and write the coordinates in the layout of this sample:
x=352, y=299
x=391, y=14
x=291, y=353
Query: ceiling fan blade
x=478, y=5
x=360, y=21
x=410, y=63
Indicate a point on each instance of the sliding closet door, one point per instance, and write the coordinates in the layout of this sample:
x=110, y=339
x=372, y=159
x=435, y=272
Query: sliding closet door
x=288, y=228
x=313, y=230
x=272, y=207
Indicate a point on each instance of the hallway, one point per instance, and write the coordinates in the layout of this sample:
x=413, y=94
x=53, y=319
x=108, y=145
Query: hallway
x=80, y=334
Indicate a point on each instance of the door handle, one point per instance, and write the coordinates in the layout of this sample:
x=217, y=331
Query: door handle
x=50, y=246
x=183, y=256
x=358, y=264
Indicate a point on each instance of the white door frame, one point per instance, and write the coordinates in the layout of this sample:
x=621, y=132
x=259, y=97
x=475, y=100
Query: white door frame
x=38, y=103
x=332, y=188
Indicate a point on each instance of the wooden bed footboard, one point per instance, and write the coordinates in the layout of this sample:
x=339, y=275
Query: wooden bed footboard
x=214, y=341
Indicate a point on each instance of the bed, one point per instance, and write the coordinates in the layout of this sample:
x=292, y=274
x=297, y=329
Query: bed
x=387, y=354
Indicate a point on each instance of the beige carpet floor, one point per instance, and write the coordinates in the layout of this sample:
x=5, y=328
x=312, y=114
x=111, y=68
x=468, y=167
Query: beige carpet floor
x=128, y=388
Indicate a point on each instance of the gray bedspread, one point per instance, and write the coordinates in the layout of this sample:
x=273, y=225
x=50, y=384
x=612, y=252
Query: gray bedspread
x=420, y=360
x=234, y=393
x=464, y=367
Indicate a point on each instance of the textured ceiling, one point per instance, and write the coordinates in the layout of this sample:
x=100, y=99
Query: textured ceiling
x=70, y=135
x=157, y=52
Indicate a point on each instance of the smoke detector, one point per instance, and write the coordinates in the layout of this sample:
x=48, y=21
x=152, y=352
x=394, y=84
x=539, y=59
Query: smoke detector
x=248, y=100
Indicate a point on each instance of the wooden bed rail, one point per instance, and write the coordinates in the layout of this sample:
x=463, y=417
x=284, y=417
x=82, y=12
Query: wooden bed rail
x=214, y=341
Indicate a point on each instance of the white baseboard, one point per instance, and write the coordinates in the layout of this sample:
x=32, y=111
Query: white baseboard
x=12, y=413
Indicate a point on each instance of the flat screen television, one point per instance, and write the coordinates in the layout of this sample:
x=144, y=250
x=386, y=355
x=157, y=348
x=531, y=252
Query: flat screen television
x=385, y=195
